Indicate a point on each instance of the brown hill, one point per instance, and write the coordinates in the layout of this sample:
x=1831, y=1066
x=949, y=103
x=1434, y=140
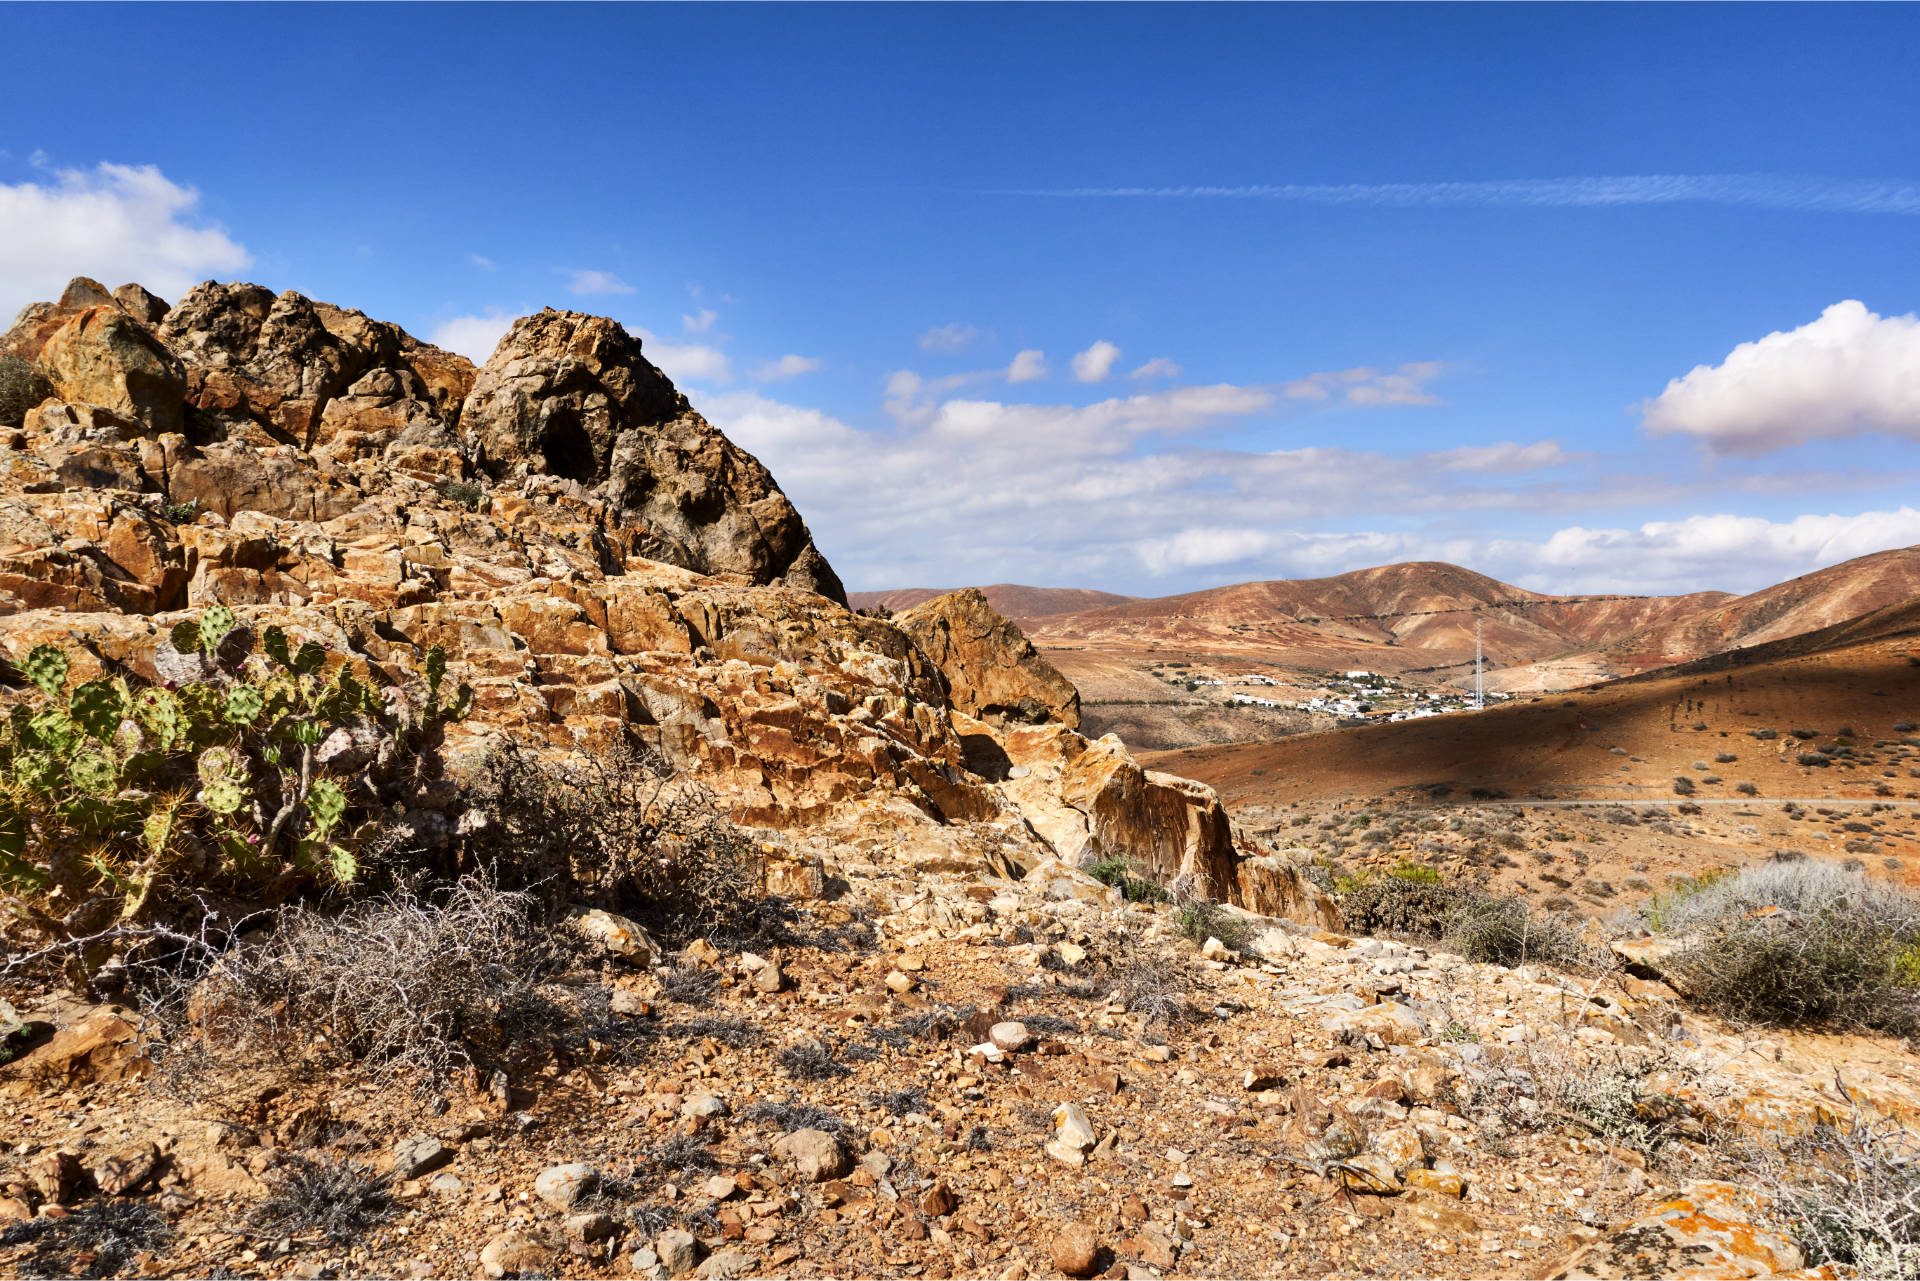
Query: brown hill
x=1855, y=686
x=1010, y=599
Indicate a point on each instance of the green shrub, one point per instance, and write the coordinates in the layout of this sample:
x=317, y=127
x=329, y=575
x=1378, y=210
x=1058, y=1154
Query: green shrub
x=1415, y=872
x=1837, y=948
x=1201, y=919
x=1394, y=905
x=243, y=769
x=464, y=493
x=1499, y=929
x=1119, y=872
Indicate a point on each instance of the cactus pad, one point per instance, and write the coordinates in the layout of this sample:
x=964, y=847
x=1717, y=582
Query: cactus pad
x=326, y=804
x=275, y=643
x=223, y=796
x=244, y=704
x=185, y=636
x=310, y=658
x=215, y=622
x=93, y=772
x=46, y=666
x=97, y=707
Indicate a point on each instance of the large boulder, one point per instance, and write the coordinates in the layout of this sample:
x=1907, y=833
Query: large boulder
x=571, y=396
x=102, y=356
x=993, y=671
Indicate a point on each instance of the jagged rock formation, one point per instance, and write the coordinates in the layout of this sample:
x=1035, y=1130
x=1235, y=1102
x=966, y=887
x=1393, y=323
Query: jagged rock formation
x=613, y=570
x=993, y=669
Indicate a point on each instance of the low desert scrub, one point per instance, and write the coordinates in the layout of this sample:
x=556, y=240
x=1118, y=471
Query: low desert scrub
x=1497, y=929
x=1850, y=1194
x=409, y=988
x=621, y=829
x=1124, y=875
x=96, y=1239
x=1156, y=986
x=1201, y=919
x=337, y=1199
x=1683, y=786
x=22, y=386
x=1800, y=942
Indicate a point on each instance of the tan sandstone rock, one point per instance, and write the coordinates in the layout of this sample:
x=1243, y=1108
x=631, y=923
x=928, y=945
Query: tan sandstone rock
x=993, y=672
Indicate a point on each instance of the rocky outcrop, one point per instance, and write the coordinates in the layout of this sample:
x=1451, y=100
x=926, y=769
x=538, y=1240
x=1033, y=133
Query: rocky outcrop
x=570, y=396
x=993, y=671
x=614, y=572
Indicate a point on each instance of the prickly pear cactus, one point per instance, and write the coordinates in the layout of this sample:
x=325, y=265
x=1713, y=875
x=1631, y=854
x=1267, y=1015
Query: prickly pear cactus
x=244, y=704
x=326, y=805
x=185, y=636
x=215, y=622
x=98, y=708
x=275, y=644
x=158, y=713
x=46, y=667
x=223, y=796
x=93, y=772
x=309, y=658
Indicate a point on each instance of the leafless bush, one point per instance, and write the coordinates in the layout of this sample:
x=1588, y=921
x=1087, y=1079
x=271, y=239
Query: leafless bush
x=410, y=988
x=1156, y=986
x=788, y=1115
x=1850, y=1194
x=621, y=829
x=812, y=1061
x=690, y=985
x=340, y=1199
x=97, y=1239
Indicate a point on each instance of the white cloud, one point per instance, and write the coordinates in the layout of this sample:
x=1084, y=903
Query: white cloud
x=587, y=283
x=1367, y=386
x=699, y=322
x=1029, y=366
x=1096, y=362
x=995, y=490
x=1504, y=458
x=1158, y=367
x=789, y=366
x=685, y=362
x=483, y=262
x=948, y=337
x=472, y=336
x=1849, y=373
x=116, y=223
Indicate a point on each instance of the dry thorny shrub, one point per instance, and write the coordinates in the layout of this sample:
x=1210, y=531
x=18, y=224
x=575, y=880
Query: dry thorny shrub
x=410, y=988
x=621, y=829
x=1849, y=1192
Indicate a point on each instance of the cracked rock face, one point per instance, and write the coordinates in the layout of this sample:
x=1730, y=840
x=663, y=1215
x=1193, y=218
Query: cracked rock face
x=570, y=396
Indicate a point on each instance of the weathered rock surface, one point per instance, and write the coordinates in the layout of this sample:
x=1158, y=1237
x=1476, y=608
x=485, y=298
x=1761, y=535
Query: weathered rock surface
x=993, y=672
x=1711, y=1230
x=570, y=396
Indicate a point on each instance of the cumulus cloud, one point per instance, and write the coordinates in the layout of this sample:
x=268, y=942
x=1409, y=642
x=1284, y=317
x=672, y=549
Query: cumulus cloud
x=1849, y=373
x=965, y=486
x=1096, y=362
x=1158, y=367
x=788, y=366
x=948, y=337
x=113, y=222
x=685, y=362
x=588, y=283
x=699, y=322
x=1367, y=386
x=1029, y=366
x=473, y=336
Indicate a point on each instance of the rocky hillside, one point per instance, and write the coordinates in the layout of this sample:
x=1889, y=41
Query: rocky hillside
x=1011, y=599
x=600, y=564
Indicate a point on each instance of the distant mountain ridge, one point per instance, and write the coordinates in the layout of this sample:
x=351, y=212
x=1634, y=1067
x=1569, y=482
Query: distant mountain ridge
x=1010, y=599
x=1421, y=616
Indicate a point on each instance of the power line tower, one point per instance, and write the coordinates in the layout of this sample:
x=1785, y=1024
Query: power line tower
x=1479, y=693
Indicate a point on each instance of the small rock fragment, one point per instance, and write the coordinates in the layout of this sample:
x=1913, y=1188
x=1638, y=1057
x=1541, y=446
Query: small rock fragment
x=1072, y=1127
x=513, y=1254
x=564, y=1186
x=1010, y=1036
x=815, y=1153
x=678, y=1251
x=938, y=1202
x=1075, y=1251
x=421, y=1154
x=702, y=1106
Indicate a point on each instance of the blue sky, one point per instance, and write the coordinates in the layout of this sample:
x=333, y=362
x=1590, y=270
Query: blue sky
x=1384, y=282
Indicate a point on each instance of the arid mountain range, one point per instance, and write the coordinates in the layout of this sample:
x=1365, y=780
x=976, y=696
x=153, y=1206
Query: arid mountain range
x=1413, y=621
